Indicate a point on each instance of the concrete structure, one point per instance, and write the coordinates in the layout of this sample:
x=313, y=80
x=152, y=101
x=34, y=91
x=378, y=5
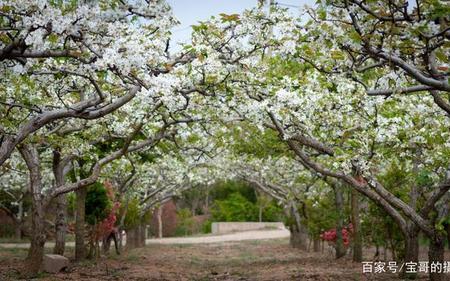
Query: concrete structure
x=230, y=227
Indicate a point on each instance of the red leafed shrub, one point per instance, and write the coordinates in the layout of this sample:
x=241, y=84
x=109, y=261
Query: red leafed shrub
x=330, y=235
x=107, y=225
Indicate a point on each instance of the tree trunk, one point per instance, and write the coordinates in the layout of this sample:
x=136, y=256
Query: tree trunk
x=260, y=212
x=391, y=244
x=97, y=249
x=122, y=224
x=412, y=231
x=61, y=206
x=206, y=205
x=160, y=224
x=106, y=244
x=60, y=225
x=411, y=249
x=339, y=202
x=376, y=256
x=357, y=239
x=136, y=236
x=323, y=245
x=19, y=221
x=18, y=231
x=80, y=248
x=91, y=243
x=142, y=235
x=448, y=235
x=36, y=251
x=38, y=237
x=260, y=205
x=298, y=238
x=436, y=254
x=131, y=238
x=120, y=238
x=316, y=245
x=35, y=255
x=129, y=243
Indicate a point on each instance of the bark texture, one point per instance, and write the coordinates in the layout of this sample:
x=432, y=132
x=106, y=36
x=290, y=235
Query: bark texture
x=80, y=248
x=38, y=237
x=299, y=236
x=132, y=238
x=339, y=203
x=60, y=225
x=436, y=254
x=357, y=239
x=316, y=245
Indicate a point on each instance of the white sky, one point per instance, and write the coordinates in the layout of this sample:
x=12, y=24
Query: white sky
x=189, y=12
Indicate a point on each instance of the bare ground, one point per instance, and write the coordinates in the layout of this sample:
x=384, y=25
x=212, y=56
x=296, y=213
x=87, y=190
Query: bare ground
x=244, y=260
x=201, y=239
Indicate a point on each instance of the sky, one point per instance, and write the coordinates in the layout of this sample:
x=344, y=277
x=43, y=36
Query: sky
x=189, y=12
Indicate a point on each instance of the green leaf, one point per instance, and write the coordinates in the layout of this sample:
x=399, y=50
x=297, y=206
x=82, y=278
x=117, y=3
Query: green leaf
x=337, y=55
x=229, y=18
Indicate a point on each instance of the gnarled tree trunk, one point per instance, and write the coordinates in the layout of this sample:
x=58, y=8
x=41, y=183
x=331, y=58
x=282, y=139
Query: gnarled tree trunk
x=38, y=237
x=60, y=225
x=36, y=251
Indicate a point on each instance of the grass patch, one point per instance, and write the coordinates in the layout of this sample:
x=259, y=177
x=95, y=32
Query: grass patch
x=13, y=240
x=132, y=258
x=8, y=253
x=69, y=238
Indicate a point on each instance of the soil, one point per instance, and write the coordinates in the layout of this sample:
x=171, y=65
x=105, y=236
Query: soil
x=244, y=260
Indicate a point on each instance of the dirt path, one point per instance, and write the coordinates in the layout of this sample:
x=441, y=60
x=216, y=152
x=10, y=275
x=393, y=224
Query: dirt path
x=238, y=236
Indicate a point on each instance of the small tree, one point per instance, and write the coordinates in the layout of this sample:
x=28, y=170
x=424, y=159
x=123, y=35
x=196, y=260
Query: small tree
x=235, y=208
x=98, y=208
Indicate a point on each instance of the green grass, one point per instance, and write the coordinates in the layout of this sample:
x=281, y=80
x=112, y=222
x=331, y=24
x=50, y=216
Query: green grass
x=8, y=253
x=69, y=238
x=132, y=258
x=13, y=240
x=42, y=275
